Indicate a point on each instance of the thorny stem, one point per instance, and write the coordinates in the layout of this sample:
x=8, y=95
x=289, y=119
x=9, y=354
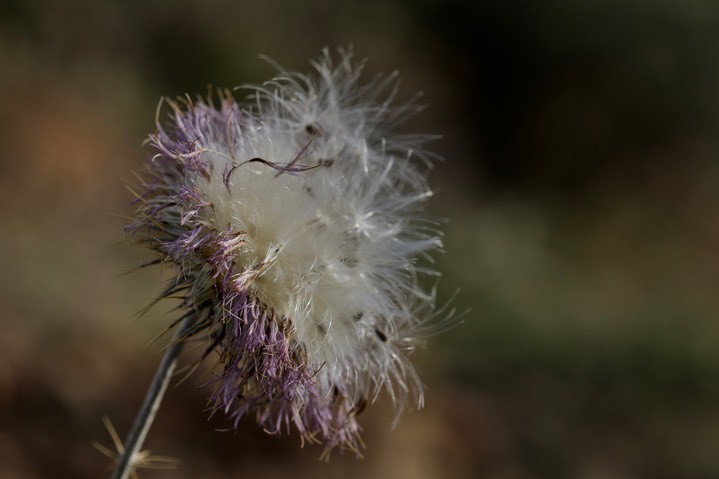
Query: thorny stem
x=146, y=414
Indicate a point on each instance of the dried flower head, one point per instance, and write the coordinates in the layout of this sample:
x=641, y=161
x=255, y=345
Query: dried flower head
x=293, y=224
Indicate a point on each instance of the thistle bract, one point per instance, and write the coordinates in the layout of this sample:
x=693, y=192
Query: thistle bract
x=292, y=221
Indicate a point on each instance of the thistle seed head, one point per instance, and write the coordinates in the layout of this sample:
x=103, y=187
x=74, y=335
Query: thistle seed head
x=293, y=222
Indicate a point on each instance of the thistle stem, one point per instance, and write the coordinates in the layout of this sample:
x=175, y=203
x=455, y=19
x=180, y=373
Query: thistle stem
x=153, y=398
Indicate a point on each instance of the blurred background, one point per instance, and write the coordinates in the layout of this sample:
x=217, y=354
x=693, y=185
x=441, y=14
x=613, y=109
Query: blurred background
x=580, y=184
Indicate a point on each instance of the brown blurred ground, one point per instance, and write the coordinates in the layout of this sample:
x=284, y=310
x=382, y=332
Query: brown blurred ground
x=581, y=185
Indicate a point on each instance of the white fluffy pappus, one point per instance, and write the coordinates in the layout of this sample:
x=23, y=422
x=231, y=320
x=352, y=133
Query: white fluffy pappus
x=322, y=199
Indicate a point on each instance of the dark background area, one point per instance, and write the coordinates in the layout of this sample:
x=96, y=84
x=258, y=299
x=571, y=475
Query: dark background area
x=580, y=182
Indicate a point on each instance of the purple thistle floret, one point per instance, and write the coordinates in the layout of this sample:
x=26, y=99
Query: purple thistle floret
x=293, y=228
